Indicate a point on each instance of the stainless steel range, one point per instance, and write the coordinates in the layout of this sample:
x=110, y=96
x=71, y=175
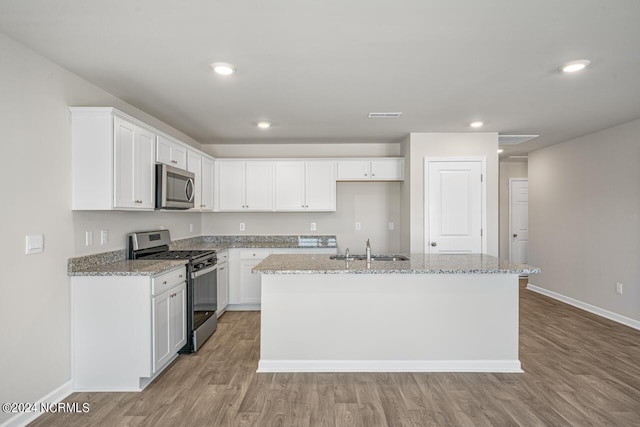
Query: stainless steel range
x=202, y=283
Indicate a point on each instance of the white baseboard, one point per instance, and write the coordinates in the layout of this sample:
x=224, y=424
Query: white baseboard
x=57, y=395
x=627, y=321
x=511, y=366
x=243, y=307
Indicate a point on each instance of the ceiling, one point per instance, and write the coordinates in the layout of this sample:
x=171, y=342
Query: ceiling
x=316, y=68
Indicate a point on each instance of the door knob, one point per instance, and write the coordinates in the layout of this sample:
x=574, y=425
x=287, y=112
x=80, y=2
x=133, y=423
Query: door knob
x=515, y=235
x=434, y=244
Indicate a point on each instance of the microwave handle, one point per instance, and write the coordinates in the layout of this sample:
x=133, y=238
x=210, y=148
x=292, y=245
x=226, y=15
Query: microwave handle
x=188, y=189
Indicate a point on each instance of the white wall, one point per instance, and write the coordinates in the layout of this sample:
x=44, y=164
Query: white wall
x=373, y=204
x=584, y=218
x=508, y=170
x=466, y=144
x=36, y=199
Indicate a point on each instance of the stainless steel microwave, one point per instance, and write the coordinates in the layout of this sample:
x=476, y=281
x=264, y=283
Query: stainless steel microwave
x=175, y=188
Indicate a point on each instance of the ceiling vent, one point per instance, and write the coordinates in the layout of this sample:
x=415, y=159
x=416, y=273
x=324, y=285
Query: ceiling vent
x=384, y=115
x=514, y=139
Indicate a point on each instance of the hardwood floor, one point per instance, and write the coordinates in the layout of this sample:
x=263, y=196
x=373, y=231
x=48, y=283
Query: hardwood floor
x=580, y=370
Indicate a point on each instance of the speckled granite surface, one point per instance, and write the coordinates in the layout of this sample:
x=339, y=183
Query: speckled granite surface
x=114, y=263
x=258, y=241
x=418, y=264
x=130, y=268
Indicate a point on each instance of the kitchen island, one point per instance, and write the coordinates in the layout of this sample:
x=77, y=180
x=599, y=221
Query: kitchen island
x=447, y=313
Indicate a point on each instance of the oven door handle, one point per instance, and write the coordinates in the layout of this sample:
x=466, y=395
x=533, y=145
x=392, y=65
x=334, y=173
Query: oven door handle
x=207, y=270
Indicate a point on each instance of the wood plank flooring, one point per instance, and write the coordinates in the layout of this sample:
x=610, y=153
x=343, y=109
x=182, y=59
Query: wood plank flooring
x=580, y=370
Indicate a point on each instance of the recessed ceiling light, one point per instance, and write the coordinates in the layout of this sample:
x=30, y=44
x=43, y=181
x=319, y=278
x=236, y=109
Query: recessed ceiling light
x=264, y=125
x=223, y=68
x=573, y=66
x=500, y=150
x=476, y=124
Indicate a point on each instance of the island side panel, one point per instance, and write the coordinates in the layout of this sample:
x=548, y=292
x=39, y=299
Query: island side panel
x=389, y=322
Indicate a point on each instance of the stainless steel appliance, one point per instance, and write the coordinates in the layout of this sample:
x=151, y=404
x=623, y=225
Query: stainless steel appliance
x=175, y=188
x=202, y=282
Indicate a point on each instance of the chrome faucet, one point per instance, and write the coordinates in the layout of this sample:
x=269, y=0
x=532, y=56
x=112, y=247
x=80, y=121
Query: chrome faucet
x=368, y=251
x=346, y=254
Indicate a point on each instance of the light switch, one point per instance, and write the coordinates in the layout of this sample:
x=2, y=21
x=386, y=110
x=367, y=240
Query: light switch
x=34, y=244
x=104, y=237
x=88, y=238
x=313, y=226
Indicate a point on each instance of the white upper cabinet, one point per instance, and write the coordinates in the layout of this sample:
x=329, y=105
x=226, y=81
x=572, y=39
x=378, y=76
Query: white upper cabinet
x=207, y=187
x=202, y=167
x=243, y=185
x=371, y=169
x=113, y=157
x=133, y=164
x=305, y=185
x=170, y=152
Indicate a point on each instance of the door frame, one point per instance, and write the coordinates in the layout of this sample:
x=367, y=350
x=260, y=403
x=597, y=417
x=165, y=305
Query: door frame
x=483, y=196
x=511, y=180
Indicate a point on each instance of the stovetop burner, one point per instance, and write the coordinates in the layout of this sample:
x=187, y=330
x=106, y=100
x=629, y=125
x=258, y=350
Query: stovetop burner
x=189, y=254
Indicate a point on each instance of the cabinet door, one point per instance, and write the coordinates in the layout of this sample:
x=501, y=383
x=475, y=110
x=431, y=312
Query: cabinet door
x=171, y=153
x=206, y=200
x=178, y=317
x=162, y=348
x=124, y=155
x=144, y=168
x=223, y=287
x=320, y=185
x=194, y=165
x=230, y=185
x=387, y=169
x=353, y=170
x=250, y=291
x=289, y=187
x=134, y=171
x=259, y=186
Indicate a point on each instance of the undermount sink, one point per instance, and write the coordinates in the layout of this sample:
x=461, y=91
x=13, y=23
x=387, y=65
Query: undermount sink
x=373, y=257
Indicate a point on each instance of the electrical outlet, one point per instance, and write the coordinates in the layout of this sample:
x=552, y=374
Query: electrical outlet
x=104, y=237
x=358, y=226
x=392, y=226
x=88, y=238
x=313, y=226
x=242, y=226
x=619, y=288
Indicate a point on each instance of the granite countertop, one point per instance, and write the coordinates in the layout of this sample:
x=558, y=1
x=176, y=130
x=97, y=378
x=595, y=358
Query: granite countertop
x=129, y=268
x=418, y=264
x=114, y=263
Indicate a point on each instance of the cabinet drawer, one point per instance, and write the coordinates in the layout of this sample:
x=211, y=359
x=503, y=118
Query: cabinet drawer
x=168, y=280
x=223, y=256
x=255, y=254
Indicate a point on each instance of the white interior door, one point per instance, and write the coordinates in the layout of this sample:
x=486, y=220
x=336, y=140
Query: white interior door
x=519, y=220
x=455, y=206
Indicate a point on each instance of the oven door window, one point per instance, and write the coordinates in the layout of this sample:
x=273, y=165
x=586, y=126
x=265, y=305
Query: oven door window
x=205, y=297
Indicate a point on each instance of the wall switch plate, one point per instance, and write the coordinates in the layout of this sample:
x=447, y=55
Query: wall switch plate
x=88, y=238
x=190, y=228
x=619, y=288
x=104, y=237
x=358, y=226
x=392, y=226
x=242, y=226
x=34, y=244
x=313, y=226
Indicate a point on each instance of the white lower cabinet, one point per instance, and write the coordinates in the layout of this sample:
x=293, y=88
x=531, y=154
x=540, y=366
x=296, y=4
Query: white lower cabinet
x=125, y=329
x=223, y=282
x=169, y=325
x=245, y=289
